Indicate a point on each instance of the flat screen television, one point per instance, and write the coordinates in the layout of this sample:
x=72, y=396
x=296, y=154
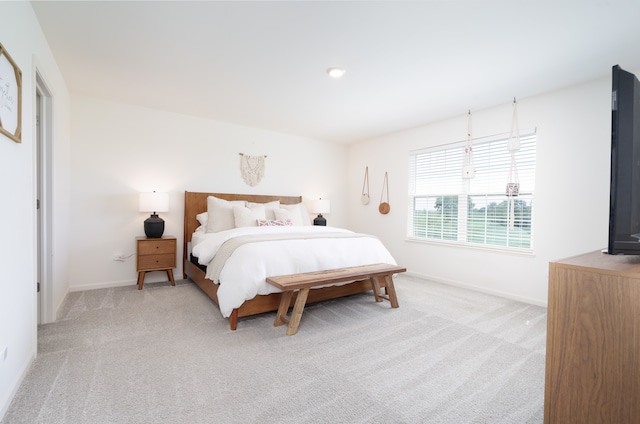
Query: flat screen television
x=624, y=202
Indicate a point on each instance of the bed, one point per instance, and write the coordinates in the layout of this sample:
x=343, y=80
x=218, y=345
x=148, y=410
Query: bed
x=196, y=206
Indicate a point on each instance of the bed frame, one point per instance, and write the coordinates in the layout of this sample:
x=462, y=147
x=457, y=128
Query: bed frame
x=195, y=203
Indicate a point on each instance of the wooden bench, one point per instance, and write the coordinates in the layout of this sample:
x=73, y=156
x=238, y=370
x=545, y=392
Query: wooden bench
x=306, y=281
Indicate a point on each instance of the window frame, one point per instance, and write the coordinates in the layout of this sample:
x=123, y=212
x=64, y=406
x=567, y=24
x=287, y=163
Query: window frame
x=449, y=159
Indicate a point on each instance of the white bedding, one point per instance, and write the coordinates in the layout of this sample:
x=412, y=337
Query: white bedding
x=245, y=271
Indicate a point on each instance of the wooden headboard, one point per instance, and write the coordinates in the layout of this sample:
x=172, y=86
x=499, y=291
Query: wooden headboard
x=195, y=203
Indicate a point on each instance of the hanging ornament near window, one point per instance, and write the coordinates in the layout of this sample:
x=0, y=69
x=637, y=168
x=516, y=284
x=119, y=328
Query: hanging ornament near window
x=384, y=207
x=514, y=138
x=468, y=167
x=513, y=189
x=252, y=168
x=513, y=182
x=365, y=199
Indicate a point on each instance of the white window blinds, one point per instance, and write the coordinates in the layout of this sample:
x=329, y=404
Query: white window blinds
x=444, y=206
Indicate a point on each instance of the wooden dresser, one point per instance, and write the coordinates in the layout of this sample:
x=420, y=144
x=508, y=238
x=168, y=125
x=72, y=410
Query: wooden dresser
x=593, y=340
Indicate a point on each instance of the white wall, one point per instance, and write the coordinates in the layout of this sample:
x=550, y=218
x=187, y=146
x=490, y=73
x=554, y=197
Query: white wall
x=120, y=150
x=571, y=200
x=20, y=34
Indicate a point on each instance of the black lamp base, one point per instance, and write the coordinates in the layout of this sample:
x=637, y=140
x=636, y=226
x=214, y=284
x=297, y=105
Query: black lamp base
x=154, y=226
x=320, y=220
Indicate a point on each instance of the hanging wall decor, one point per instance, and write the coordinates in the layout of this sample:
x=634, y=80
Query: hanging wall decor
x=384, y=207
x=365, y=199
x=252, y=168
x=468, y=168
x=513, y=182
x=10, y=97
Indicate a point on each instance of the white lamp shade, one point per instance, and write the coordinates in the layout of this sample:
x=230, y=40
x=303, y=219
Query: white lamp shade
x=319, y=206
x=154, y=202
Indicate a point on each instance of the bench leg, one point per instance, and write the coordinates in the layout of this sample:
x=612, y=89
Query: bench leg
x=281, y=316
x=391, y=290
x=375, y=286
x=297, y=312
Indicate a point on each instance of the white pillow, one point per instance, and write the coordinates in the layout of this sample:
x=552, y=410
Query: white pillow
x=220, y=214
x=300, y=212
x=268, y=207
x=248, y=217
x=306, y=219
x=291, y=215
x=203, y=218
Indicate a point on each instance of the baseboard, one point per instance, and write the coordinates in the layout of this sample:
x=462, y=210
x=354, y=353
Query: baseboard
x=64, y=298
x=499, y=293
x=507, y=295
x=17, y=383
x=103, y=285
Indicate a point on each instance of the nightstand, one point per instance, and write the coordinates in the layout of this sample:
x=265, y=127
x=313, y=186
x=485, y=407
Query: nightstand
x=155, y=254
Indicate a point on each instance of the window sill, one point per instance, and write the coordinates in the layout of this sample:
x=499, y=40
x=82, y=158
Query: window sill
x=464, y=245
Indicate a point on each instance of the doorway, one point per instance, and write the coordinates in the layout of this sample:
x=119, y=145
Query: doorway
x=44, y=161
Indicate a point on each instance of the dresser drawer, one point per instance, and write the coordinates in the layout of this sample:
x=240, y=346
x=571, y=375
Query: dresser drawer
x=153, y=247
x=151, y=262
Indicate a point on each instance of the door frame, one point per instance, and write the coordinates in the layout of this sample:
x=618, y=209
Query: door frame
x=44, y=184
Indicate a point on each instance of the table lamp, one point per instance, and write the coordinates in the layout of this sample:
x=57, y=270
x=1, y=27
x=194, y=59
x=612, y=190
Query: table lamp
x=154, y=202
x=320, y=206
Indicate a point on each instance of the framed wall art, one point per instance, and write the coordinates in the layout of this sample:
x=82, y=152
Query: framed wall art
x=10, y=97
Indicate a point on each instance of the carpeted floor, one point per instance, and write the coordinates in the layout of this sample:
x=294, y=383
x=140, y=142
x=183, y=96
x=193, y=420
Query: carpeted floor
x=165, y=355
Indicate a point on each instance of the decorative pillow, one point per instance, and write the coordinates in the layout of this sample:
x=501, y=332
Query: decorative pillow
x=299, y=214
x=203, y=218
x=248, y=217
x=274, y=222
x=220, y=214
x=268, y=208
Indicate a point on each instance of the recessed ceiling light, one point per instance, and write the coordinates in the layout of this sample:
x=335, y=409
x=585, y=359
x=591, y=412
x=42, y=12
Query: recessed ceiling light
x=336, y=72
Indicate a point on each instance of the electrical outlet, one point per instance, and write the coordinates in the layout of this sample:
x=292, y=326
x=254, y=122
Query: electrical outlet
x=121, y=257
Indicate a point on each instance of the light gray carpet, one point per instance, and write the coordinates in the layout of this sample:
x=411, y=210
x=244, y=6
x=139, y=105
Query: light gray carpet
x=165, y=355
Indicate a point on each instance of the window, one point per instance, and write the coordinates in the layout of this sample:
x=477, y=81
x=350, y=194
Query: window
x=445, y=207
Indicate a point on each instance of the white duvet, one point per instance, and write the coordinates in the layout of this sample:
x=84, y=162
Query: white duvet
x=245, y=271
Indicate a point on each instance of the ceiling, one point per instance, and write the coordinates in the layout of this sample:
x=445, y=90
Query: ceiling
x=263, y=64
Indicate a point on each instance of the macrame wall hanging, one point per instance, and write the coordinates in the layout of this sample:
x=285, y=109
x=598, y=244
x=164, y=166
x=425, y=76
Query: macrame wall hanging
x=513, y=183
x=252, y=168
x=365, y=188
x=468, y=168
x=384, y=207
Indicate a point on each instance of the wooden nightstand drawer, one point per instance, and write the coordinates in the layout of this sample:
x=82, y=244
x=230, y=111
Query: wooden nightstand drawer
x=156, y=246
x=151, y=262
